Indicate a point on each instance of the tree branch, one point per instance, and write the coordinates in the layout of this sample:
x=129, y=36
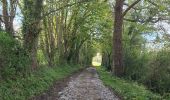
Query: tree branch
x=135, y=8
x=151, y=20
x=130, y=20
x=1, y=18
x=153, y=3
x=131, y=6
x=68, y=5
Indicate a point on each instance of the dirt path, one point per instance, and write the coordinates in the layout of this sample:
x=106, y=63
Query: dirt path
x=83, y=85
x=87, y=86
x=52, y=92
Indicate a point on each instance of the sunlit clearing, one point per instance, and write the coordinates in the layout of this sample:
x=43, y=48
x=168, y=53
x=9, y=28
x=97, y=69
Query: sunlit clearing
x=97, y=60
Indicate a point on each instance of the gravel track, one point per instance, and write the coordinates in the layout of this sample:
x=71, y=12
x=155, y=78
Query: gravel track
x=86, y=86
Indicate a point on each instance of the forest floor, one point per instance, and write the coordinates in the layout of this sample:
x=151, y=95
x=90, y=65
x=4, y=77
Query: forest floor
x=83, y=85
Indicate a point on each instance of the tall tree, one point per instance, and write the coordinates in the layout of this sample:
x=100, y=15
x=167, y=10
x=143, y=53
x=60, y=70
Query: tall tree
x=31, y=27
x=117, y=36
x=117, y=39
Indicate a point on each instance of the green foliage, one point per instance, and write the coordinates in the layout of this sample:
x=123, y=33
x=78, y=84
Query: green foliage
x=36, y=83
x=158, y=78
x=87, y=53
x=135, y=65
x=149, y=68
x=14, y=60
x=41, y=58
x=128, y=90
x=85, y=28
x=141, y=65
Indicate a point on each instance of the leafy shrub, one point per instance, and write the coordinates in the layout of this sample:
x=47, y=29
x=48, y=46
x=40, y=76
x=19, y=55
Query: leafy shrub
x=13, y=57
x=35, y=83
x=149, y=68
x=135, y=64
x=158, y=78
x=41, y=58
x=126, y=89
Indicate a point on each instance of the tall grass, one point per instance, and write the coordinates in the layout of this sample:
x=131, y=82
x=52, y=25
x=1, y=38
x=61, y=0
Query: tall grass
x=34, y=84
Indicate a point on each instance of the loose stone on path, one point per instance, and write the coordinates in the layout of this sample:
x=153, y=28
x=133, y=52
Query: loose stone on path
x=87, y=86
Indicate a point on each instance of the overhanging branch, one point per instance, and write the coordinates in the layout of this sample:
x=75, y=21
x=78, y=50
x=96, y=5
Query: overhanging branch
x=131, y=6
x=153, y=3
x=150, y=20
x=68, y=5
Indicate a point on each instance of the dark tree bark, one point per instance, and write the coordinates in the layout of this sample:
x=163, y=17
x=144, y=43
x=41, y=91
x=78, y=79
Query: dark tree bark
x=106, y=60
x=117, y=40
x=1, y=22
x=31, y=28
x=117, y=37
x=13, y=6
x=5, y=14
x=9, y=15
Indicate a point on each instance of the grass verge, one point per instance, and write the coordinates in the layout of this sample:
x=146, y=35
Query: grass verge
x=127, y=90
x=36, y=83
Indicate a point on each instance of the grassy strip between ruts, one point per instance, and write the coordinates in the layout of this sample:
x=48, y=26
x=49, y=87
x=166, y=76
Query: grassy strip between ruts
x=24, y=88
x=127, y=90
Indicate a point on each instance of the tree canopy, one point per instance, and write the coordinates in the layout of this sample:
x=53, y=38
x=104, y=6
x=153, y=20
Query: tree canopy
x=133, y=37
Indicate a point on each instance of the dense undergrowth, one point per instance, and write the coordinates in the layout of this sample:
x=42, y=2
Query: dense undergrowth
x=14, y=61
x=34, y=84
x=17, y=80
x=126, y=89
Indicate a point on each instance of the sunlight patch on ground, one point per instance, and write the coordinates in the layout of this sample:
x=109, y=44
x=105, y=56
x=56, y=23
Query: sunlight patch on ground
x=97, y=60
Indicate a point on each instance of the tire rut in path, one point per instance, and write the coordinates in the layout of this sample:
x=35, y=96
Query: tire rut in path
x=86, y=86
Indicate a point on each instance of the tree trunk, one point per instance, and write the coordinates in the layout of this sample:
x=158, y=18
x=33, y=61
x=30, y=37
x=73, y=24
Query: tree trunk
x=13, y=6
x=117, y=40
x=30, y=44
x=106, y=60
x=5, y=14
x=0, y=24
x=31, y=28
x=8, y=16
x=60, y=38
